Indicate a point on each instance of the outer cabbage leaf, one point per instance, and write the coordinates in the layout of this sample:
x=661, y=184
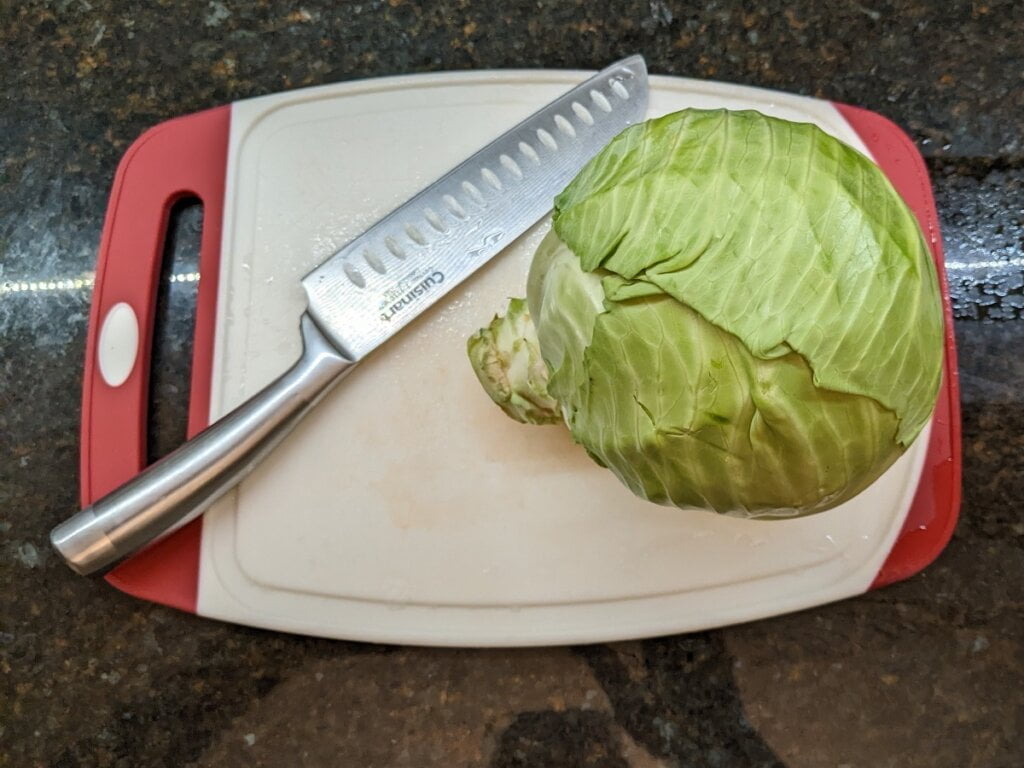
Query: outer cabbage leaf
x=777, y=233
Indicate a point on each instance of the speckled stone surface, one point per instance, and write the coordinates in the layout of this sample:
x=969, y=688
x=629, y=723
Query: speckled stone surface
x=929, y=672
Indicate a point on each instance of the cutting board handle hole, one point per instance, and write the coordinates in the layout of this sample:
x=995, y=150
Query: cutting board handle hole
x=173, y=330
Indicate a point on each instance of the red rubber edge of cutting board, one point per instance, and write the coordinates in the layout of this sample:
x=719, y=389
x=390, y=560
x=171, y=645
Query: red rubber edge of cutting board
x=936, y=507
x=177, y=159
x=187, y=157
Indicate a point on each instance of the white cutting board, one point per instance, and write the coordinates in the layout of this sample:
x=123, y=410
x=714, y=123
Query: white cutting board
x=407, y=508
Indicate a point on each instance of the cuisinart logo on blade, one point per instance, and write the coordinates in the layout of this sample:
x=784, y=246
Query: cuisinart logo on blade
x=418, y=283
x=394, y=302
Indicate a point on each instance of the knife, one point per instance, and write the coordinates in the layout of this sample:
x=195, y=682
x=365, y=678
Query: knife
x=363, y=295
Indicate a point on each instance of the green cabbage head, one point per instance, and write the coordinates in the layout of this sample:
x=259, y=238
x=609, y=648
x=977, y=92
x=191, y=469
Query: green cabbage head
x=733, y=312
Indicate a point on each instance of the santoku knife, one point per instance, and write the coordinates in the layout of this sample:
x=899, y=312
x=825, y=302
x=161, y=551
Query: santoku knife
x=363, y=295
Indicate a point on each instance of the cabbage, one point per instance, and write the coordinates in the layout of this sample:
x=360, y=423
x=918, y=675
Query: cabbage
x=734, y=312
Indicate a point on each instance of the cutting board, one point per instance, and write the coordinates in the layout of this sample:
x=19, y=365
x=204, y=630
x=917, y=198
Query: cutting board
x=407, y=508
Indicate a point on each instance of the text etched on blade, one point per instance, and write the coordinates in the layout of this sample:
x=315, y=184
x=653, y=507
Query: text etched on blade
x=388, y=311
x=416, y=285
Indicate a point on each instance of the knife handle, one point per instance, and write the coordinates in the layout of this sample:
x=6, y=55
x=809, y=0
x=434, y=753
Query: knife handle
x=179, y=487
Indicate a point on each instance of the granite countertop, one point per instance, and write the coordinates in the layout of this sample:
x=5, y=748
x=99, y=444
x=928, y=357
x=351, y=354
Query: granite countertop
x=927, y=672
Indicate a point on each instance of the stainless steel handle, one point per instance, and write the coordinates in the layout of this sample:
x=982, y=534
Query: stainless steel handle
x=179, y=487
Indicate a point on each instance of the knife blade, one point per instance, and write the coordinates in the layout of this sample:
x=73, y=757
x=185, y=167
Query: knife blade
x=361, y=296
